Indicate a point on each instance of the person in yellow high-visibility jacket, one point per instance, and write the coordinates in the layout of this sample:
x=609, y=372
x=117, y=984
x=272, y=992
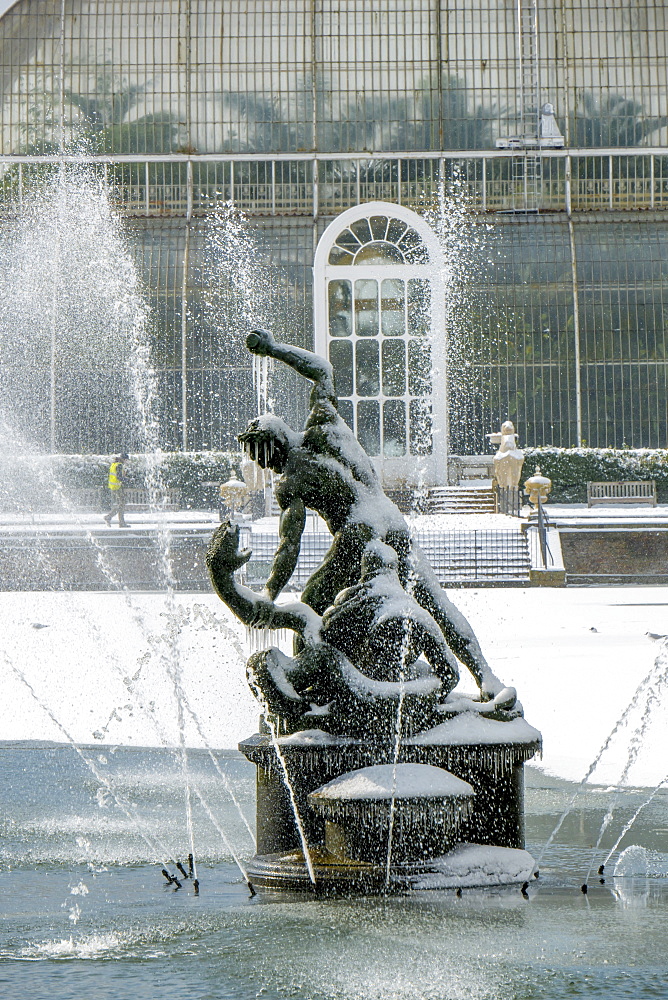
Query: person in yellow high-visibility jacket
x=115, y=484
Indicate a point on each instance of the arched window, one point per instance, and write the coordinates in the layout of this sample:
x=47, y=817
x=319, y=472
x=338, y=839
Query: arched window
x=379, y=319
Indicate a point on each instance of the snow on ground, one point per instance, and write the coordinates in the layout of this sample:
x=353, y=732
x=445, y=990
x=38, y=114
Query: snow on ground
x=108, y=664
x=576, y=657
x=11, y=524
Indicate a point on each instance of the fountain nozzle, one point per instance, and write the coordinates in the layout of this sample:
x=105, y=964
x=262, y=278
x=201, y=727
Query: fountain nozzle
x=191, y=866
x=182, y=869
x=196, y=886
x=171, y=879
x=601, y=869
x=583, y=889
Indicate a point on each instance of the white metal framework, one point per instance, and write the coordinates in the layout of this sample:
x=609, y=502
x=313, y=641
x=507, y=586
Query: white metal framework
x=380, y=319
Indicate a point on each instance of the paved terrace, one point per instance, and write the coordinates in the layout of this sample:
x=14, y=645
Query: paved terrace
x=50, y=551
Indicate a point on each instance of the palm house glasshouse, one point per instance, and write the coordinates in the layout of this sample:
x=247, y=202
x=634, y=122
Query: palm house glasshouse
x=463, y=203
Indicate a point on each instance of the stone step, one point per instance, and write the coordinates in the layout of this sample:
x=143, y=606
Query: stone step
x=456, y=556
x=461, y=500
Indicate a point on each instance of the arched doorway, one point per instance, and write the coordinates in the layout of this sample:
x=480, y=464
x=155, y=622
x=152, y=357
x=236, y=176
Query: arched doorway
x=379, y=318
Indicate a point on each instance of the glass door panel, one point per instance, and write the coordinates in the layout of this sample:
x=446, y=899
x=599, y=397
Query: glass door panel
x=366, y=308
x=394, y=428
x=367, y=368
x=340, y=302
x=393, y=308
x=368, y=426
x=341, y=357
x=394, y=367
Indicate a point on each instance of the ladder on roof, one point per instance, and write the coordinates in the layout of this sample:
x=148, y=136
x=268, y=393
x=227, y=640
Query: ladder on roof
x=527, y=169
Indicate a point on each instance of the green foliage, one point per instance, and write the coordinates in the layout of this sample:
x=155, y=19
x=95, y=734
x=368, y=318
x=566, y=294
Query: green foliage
x=570, y=469
x=188, y=472
x=614, y=120
x=51, y=482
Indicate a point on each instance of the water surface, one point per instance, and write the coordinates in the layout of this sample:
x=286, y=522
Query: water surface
x=85, y=912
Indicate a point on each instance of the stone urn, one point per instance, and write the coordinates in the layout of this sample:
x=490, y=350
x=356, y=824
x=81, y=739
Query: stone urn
x=234, y=494
x=537, y=488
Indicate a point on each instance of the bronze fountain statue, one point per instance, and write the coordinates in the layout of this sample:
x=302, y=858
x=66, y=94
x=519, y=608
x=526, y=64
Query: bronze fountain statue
x=373, y=673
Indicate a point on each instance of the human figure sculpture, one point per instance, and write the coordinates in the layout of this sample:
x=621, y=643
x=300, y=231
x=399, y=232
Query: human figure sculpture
x=373, y=650
x=509, y=459
x=324, y=468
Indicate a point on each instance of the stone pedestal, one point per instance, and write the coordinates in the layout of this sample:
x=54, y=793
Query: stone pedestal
x=496, y=817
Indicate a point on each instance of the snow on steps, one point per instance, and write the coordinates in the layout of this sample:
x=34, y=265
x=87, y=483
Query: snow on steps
x=477, y=556
x=461, y=500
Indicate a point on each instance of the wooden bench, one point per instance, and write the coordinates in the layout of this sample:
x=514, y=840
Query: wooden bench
x=632, y=491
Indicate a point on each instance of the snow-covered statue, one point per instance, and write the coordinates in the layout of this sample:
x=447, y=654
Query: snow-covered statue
x=374, y=629
x=509, y=459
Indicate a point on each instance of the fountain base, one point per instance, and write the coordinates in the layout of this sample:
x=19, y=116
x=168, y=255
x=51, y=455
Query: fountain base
x=467, y=866
x=311, y=759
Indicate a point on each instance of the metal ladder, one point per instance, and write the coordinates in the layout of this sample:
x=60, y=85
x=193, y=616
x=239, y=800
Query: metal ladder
x=527, y=169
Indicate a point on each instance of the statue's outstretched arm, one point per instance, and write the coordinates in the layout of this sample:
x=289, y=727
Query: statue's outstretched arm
x=290, y=532
x=305, y=363
x=223, y=557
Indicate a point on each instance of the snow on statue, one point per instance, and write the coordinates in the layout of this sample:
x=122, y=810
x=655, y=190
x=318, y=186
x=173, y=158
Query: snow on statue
x=374, y=627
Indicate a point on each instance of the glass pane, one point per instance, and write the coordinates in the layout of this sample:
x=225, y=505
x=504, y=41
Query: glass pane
x=347, y=241
x=340, y=308
x=394, y=428
x=394, y=367
x=413, y=248
x=419, y=368
x=367, y=376
x=341, y=357
x=346, y=412
x=379, y=253
x=396, y=230
x=420, y=420
x=419, y=306
x=362, y=231
x=366, y=308
x=392, y=305
x=378, y=226
x=339, y=256
x=368, y=426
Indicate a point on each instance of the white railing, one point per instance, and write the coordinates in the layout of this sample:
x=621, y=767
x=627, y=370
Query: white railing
x=579, y=180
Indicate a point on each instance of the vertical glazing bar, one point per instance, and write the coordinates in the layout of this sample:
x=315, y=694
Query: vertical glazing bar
x=273, y=187
x=232, y=181
x=398, y=182
x=21, y=185
x=357, y=182
x=184, y=333
x=314, y=78
x=576, y=335
x=315, y=196
x=189, y=190
x=184, y=311
x=651, y=180
x=610, y=181
x=484, y=183
x=147, y=191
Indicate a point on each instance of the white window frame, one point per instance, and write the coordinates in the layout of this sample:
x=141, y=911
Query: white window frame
x=407, y=470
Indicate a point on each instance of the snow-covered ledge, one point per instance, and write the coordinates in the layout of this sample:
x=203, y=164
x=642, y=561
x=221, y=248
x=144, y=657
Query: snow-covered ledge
x=554, y=573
